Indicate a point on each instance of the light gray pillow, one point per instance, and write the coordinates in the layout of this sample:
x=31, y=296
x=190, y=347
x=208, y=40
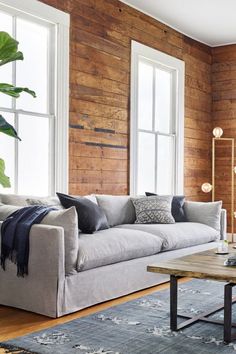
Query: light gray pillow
x=204, y=213
x=119, y=209
x=153, y=210
x=25, y=200
x=66, y=218
x=46, y=201
x=6, y=210
x=13, y=199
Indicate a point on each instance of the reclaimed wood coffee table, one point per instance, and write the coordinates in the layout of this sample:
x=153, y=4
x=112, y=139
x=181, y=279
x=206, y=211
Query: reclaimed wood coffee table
x=202, y=265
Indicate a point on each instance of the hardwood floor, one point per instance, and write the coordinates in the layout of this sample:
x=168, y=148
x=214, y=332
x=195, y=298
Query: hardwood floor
x=15, y=323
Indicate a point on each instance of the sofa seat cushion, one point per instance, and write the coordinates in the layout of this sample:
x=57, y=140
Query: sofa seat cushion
x=179, y=235
x=115, y=245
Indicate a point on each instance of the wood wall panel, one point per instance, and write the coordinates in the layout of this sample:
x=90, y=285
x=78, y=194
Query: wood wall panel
x=223, y=115
x=198, y=102
x=100, y=39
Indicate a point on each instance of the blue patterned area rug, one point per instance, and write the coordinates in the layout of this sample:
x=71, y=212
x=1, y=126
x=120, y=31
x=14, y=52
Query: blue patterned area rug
x=136, y=327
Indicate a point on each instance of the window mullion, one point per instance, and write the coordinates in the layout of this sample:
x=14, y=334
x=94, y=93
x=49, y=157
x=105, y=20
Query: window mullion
x=172, y=106
x=16, y=122
x=174, y=167
x=25, y=113
x=154, y=99
x=14, y=62
x=52, y=109
x=154, y=125
x=156, y=161
x=16, y=154
x=174, y=129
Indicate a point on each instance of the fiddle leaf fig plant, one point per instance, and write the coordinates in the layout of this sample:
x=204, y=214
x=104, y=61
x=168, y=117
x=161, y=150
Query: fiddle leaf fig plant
x=7, y=128
x=4, y=180
x=9, y=53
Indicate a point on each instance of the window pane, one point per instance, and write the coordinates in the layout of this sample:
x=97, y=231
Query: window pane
x=163, y=101
x=7, y=153
x=165, y=158
x=145, y=96
x=6, y=70
x=32, y=72
x=33, y=155
x=146, y=163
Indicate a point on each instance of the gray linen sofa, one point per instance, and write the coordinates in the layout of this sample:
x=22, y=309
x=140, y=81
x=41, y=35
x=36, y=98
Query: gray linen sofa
x=69, y=271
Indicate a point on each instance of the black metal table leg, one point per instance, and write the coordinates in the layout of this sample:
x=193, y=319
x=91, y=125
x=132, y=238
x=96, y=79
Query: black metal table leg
x=227, y=323
x=228, y=313
x=173, y=302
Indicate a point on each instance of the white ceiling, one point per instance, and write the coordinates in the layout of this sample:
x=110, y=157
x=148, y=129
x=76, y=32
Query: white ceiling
x=212, y=22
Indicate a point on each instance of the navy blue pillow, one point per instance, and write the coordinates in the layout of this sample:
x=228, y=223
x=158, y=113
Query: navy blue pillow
x=91, y=217
x=177, y=207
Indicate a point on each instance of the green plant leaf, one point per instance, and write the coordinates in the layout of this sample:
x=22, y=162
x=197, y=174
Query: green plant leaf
x=8, y=49
x=7, y=128
x=4, y=180
x=14, y=91
x=13, y=57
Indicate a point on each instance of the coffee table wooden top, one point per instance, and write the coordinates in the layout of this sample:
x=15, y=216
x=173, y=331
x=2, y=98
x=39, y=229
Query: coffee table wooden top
x=202, y=265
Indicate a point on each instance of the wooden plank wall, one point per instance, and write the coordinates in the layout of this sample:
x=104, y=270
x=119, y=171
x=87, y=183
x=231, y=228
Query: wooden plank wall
x=101, y=34
x=224, y=116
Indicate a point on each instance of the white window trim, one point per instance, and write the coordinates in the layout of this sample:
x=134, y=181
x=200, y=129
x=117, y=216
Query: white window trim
x=140, y=50
x=62, y=22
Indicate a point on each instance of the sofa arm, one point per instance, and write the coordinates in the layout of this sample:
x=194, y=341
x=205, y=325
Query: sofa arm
x=47, y=251
x=39, y=291
x=223, y=224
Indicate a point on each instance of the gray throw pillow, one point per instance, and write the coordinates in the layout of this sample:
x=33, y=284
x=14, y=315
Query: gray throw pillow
x=26, y=200
x=46, y=201
x=119, y=209
x=204, y=213
x=153, y=210
x=6, y=210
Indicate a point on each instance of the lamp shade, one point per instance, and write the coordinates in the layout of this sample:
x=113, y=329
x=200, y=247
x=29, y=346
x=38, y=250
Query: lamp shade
x=206, y=187
x=217, y=132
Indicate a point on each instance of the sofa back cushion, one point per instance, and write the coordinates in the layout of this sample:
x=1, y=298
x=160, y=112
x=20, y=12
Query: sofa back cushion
x=119, y=209
x=204, y=213
x=26, y=200
x=67, y=219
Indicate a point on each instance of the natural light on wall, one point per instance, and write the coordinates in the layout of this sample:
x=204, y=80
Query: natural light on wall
x=157, y=105
x=33, y=163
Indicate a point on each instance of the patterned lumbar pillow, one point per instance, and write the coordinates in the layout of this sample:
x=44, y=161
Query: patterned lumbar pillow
x=177, y=207
x=153, y=210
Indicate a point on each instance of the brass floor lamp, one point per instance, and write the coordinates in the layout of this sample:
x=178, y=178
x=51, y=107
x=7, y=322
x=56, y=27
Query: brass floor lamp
x=207, y=187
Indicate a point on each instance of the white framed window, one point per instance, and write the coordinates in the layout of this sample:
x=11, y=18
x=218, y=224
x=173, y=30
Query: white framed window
x=39, y=163
x=157, y=122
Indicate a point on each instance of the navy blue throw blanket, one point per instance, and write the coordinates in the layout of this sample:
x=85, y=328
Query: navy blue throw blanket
x=15, y=236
